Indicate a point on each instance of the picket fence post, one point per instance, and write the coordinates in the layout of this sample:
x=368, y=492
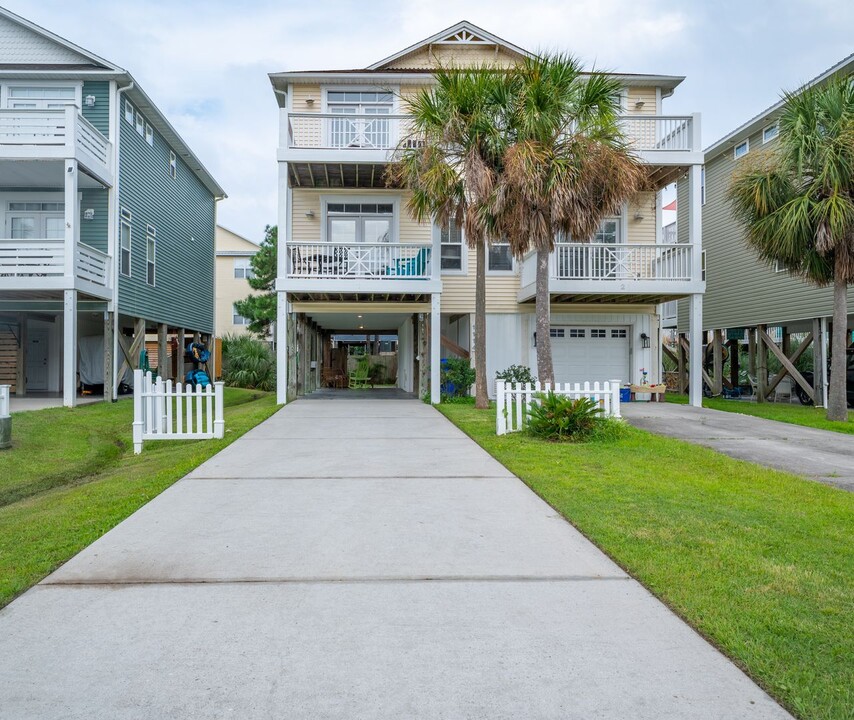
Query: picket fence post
x=137, y=412
x=219, y=413
x=500, y=420
x=615, y=398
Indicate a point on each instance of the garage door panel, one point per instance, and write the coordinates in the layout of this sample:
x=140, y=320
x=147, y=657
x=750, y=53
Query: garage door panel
x=594, y=353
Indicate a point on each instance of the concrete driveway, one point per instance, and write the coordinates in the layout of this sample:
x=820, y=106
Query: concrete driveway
x=817, y=454
x=359, y=559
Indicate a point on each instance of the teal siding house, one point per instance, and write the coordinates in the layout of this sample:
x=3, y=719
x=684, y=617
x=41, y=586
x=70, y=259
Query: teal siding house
x=107, y=223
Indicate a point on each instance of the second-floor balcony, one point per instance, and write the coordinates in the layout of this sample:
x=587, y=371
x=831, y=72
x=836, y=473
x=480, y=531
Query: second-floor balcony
x=43, y=264
x=360, y=267
x=621, y=271
x=371, y=138
x=55, y=135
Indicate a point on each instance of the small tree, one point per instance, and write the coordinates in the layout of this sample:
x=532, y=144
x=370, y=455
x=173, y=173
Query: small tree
x=797, y=205
x=260, y=309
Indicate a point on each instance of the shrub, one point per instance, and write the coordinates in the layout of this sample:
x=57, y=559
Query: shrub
x=556, y=417
x=516, y=374
x=457, y=377
x=248, y=363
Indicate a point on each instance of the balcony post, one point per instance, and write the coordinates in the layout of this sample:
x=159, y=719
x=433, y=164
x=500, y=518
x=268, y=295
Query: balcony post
x=435, y=349
x=72, y=226
x=695, y=326
x=282, y=273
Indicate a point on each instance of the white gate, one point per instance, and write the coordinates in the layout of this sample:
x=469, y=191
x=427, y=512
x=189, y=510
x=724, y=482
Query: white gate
x=512, y=400
x=162, y=411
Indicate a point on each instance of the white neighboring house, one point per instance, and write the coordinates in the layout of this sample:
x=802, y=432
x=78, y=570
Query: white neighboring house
x=353, y=259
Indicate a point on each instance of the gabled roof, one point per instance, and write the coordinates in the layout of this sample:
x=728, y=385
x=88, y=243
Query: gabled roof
x=74, y=61
x=843, y=67
x=463, y=33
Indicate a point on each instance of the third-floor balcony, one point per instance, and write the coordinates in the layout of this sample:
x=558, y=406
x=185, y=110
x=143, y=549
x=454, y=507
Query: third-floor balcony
x=619, y=272
x=317, y=137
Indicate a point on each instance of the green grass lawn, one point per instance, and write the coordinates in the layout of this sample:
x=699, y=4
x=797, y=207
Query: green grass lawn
x=759, y=561
x=796, y=414
x=72, y=475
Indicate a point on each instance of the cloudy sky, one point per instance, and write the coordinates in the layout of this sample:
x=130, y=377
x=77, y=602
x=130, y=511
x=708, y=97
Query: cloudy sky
x=206, y=63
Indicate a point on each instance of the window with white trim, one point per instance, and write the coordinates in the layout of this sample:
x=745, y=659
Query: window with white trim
x=608, y=232
x=243, y=268
x=237, y=318
x=361, y=129
x=703, y=185
x=740, y=150
x=173, y=165
x=556, y=332
x=452, y=246
x=125, y=244
x=130, y=114
x=499, y=257
x=769, y=133
x=779, y=267
x=577, y=332
x=41, y=97
x=149, y=134
x=348, y=223
x=140, y=123
x=150, y=255
x=598, y=333
x=618, y=333
x=703, y=265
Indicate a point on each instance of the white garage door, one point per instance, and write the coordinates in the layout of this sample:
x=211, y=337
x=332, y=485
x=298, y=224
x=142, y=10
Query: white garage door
x=590, y=353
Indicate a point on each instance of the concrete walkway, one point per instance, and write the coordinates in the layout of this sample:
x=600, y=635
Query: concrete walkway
x=821, y=455
x=358, y=559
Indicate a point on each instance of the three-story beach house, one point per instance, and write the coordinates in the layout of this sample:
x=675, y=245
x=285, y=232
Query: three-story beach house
x=353, y=260
x=106, y=221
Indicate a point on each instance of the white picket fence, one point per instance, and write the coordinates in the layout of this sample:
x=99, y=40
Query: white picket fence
x=512, y=400
x=5, y=393
x=163, y=411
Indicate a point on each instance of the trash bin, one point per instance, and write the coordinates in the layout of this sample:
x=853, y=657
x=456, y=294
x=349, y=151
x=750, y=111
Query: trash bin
x=625, y=395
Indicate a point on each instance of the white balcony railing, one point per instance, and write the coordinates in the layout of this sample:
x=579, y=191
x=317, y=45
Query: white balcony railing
x=38, y=258
x=371, y=261
x=588, y=261
x=328, y=131
x=53, y=128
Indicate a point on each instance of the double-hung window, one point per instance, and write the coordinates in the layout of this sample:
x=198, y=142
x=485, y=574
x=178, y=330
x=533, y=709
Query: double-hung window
x=150, y=254
x=125, y=242
x=361, y=124
x=173, y=165
x=243, y=268
x=452, y=246
x=349, y=223
x=237, y=318
x=499, y=257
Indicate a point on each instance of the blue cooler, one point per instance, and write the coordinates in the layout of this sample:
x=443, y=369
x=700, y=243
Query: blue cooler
x=625, y=395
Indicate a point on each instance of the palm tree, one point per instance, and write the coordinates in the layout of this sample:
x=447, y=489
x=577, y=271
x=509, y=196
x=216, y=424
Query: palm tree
x=567, y=168
x=797, y=205
x=449, y=160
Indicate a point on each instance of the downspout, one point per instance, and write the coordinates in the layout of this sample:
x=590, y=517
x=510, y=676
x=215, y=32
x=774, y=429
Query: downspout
x=117, y=246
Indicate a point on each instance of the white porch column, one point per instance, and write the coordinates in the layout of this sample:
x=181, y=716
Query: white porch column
x=435, y=348
x=695, y=324
x=72, y=224
x=695, y=359
x=69, y=349
x=283, y=230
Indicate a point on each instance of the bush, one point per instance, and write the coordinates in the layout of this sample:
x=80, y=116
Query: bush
x=248, y=363
x=556, y=417
x=516, y=374
x=457, y=377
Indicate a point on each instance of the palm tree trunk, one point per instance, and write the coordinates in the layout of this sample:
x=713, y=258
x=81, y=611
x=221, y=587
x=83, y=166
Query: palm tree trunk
x=545, y=369
x=481, y=398
x=837, y=402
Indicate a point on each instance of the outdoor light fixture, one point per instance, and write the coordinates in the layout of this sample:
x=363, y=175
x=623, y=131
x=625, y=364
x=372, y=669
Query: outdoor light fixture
x=309, y=101
x=644, y=340
x=309, y=213
x=90, y=101
x=639, y=104
x=638, y=216
x=89, y=214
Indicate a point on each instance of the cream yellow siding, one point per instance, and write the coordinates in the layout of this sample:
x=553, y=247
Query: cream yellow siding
x=641, y=219
x=454, y=56
x=646, y=95
x=301, y=93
